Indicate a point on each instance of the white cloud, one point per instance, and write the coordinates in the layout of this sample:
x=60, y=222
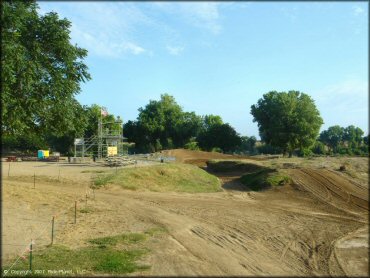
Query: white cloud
x=352, y=87
x=174, y=50
x=357, y=10
x=133, y=48
x=203, y=15
x=104, y=29
x=289, y=11
x=114, y=29
x=344, y=103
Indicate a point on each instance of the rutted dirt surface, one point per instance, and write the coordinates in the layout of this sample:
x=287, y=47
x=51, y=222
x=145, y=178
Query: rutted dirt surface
x=317, y=227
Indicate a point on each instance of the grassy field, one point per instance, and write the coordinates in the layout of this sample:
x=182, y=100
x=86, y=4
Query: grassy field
x=117, y=254
x=161, y=178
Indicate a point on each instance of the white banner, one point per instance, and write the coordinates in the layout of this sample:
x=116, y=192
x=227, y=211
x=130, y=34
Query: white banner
x=79, y=141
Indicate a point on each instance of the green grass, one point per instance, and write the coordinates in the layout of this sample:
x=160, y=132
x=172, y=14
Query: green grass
x=89, y=259
x=264, y=179
x=93, y=171
x=120, y=262
x=102, y=180
x=164, y=177
x=114, y=240
x=85, y=210
x=108, y=255
x=156, y=230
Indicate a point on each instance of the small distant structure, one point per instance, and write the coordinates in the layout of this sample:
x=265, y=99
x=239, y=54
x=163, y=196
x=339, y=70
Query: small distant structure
x=109, y=142
x=41, y=154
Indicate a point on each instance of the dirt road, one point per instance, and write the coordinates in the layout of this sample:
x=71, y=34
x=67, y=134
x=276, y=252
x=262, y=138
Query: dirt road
x=292, y=230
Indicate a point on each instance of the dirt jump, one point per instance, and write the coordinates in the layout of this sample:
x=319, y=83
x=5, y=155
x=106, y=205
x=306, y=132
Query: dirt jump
x=318, y=225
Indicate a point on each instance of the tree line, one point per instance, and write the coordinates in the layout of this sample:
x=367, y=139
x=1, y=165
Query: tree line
x=289, y=123
x=41, y=76
x=164, y=125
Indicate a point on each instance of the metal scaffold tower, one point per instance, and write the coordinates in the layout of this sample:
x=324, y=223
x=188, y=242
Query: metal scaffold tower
x=109, y=141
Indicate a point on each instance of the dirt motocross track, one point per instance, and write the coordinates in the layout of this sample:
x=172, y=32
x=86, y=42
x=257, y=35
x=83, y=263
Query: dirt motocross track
x=316, y=226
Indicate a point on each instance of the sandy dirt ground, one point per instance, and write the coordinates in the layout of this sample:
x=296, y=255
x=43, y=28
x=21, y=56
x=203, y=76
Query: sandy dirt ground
x=317, y=226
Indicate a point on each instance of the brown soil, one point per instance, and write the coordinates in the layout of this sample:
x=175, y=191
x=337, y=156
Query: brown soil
x=200, y=158
x=318, y=226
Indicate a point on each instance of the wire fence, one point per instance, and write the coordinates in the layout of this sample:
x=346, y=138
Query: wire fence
x=42, y=233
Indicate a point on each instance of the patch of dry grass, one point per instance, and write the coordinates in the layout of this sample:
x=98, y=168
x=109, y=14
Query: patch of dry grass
x=161, y=178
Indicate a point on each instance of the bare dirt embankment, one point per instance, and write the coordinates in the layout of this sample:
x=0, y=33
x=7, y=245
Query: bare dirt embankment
x=200, y=158
x=318, y=227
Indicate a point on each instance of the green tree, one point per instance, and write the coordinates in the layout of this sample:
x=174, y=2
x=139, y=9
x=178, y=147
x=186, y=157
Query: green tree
x=160, y=120
x=41, y=72
x=211, y=120
x=136, y=133
x=248, y=144
x=288, y=120
x=221, y=136
x=318, y=148
x=332, y=137
x=192, y=145
x=353, y=136
x=93, y=115
x=366, y=140
x=189, y=126
x=162, y=125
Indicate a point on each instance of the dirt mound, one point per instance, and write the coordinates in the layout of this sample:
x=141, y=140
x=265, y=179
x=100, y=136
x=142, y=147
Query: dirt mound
x=200, y=158
x=319, y=231
x=233, y=166
x=333, y=189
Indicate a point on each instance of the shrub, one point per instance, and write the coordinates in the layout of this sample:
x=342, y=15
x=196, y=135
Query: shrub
x=192, y=146
x=264, y=179
x=318, y=148
x=216, y=150
x=268, y=149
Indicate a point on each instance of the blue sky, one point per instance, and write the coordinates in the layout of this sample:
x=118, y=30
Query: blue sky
x=221, y=57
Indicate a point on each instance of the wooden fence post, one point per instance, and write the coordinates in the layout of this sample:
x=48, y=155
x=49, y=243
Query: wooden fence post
x=75, y=211
x=31, y=256
x=52, y=231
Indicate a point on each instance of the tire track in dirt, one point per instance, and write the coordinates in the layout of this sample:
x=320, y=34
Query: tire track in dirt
x=223, y=248
x=317, y=182
x=346, y=196
x=276, y=232
x=244, y=241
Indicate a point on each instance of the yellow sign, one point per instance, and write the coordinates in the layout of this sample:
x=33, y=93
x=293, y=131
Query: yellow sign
x=112, y=151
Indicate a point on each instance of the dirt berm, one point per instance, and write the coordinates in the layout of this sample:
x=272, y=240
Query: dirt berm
x=317, y=226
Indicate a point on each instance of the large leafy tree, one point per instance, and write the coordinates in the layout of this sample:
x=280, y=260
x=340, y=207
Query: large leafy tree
x=366, y=140
x=93, y=116
x=160, y=120
x=353, y=135
x=210, y=121
x=221, y=136
x=160, y=124
x=248, y=144
x=163, y=124
x=288, y=120
x=189, y=127
x=41, y=73
x=332, y=137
